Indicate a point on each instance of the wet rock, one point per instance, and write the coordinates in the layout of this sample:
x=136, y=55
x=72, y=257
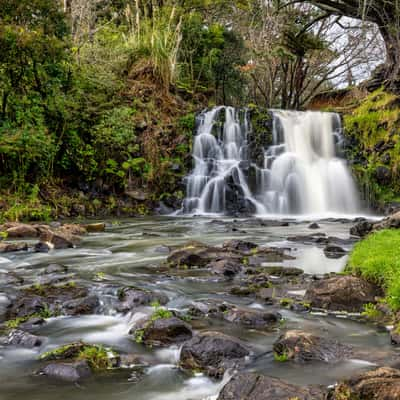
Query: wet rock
x=228, y=268
x=82, y=306
x=333, y=251
x=392, y=221
x=361, y=228
x=45, y=299
x=313, y=225
x=252, y=318
x=302, y=346
x=95, y=228
x=250, y=386
x=43, y=247
x=22, y=231
x=341, y=293
x=241, y=291
x=11, y=247
x=213, y=353
x=131, y=297
x=380, y=384
x=18, y=337
x=164, y=332
x=70, y=372
x=313, y=238
x=56, y=269
x=239, y=245
x=32, y=324
x=283, y=271
x=192, y=254
x=57, y=241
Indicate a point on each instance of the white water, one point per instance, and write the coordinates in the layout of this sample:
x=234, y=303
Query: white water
x=302, y=173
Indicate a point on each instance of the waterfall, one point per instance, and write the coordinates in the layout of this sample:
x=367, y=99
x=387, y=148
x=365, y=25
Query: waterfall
x=302, y=171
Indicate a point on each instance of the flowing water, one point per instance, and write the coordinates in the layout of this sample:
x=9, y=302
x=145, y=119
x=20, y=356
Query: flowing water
x=130, y=253
x=302, y=172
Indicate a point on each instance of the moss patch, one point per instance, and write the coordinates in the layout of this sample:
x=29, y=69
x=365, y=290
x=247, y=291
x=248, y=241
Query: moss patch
x=373, y=132
x=376, y=259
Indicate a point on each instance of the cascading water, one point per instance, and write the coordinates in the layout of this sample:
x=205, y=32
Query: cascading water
x=302, y=173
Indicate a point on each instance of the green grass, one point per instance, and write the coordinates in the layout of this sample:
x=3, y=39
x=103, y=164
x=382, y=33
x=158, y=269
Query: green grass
x=376, y=258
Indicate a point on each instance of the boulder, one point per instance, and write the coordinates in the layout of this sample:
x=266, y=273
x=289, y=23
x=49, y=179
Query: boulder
x=11, y=247
x=131, y=297
x=361, y=228
x=213, y=353
x=392, y=221
x=252, y=318
x=55, y=269
x=251, y=386
x=18, y=337
x=95, y=228
x=302, y=346
x=70, y=372
x=81, y=306
x=163, y=332
x=239, y=245
x=341, y=293
x=333, y=251
x=57, y=241
x=226, y=267
x=313, y=225
x=379, y=384
x=48, y=299
x=22, y=231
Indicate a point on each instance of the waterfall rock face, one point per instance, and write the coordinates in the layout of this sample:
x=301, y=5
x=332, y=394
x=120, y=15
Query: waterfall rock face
x=301, y=172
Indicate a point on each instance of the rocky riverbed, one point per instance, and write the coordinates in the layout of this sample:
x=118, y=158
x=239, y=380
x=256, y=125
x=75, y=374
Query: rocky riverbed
x=189, y=308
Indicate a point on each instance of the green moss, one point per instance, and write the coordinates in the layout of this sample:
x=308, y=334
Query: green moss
x=98, y=357
x=286, y=302
x=161, y=313
x=16, y=322
x=374, y=123
x=139, y=336
x=281, y=357
x=376, y=259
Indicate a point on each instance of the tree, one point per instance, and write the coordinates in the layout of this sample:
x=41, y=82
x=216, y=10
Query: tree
x=386, y=15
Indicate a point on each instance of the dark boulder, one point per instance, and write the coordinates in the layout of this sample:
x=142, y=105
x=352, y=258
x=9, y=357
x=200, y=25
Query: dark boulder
x=70, y=372
x=341, y=293
x=313, y=225
x=333, y=251
x=361, y=228
x=11, y=247
x=212, y=352
x=226, y=267
x=82, y=306
x=18, y=337
x=239, y=245
x=56, y=269
x=252, y=318
x=380, y=384
x=131, y=297
x=22, y=231
x=163, y=332
x=250, y=386
x=302, y=346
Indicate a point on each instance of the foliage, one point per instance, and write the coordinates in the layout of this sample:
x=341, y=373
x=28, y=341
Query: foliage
x=281, y=357
x=376, y=259
x=372, y=132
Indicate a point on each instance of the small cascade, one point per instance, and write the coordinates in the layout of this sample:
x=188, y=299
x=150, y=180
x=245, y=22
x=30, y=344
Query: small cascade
x=302, y=172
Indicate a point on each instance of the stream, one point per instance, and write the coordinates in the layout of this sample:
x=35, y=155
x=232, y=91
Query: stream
x=130, y=252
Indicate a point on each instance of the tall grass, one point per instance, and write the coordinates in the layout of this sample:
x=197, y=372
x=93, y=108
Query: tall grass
x=157, y=38
x=376, y=258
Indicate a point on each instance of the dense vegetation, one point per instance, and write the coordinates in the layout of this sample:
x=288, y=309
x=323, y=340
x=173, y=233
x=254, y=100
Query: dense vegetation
x=98, y=98
x=376, y=259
